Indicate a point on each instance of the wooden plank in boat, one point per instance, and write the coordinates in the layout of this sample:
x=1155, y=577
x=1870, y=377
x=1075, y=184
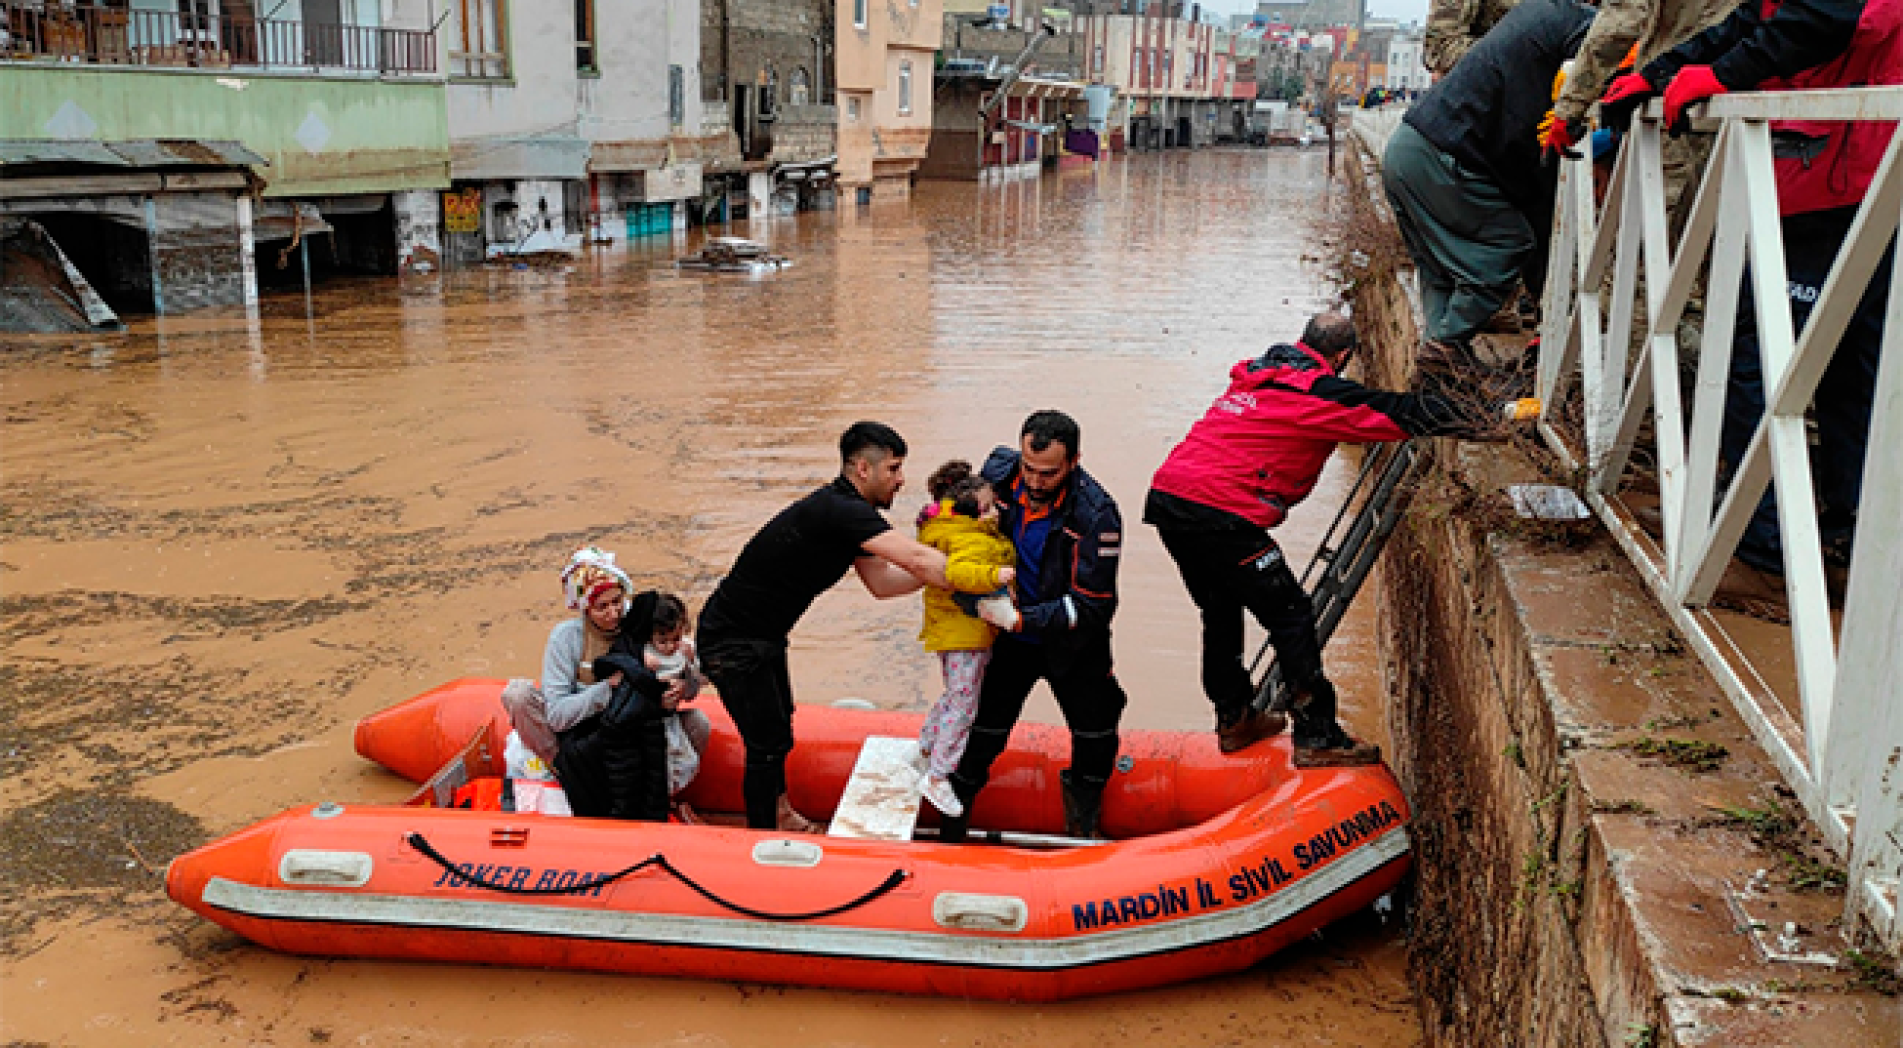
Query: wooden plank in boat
x=882, y=798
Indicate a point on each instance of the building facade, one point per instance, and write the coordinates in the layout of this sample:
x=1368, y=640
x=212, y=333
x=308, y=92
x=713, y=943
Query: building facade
x=571, y=121
x=1311, y=14
x=767, y=85
x=886, y=54
x=1160, y=68
x=1406, y=69
x=182, y=156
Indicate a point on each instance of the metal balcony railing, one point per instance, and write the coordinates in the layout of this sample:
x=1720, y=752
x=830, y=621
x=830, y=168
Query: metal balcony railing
x=119, y=36
x=1610, y=362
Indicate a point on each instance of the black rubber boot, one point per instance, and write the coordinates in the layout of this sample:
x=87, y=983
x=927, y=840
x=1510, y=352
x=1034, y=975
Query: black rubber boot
x=1083, y=807
x=1319, y=740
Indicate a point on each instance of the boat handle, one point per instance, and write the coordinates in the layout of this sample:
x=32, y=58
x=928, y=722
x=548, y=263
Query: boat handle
x=428, y=850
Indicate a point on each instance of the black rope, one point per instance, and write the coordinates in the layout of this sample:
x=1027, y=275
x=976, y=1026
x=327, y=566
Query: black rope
x=892, y=880
x=422, y=845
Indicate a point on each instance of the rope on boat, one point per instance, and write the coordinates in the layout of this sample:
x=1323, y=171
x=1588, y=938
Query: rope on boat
x=423, y=846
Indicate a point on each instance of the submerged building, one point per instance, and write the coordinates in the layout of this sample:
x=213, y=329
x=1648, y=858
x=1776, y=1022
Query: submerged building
x=182, y=155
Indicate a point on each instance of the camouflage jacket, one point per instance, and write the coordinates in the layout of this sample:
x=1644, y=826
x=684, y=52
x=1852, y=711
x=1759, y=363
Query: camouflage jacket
x=1454, y=26
x=1656, y=26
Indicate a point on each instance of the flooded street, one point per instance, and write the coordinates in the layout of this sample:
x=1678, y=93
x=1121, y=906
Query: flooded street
x=223, y=541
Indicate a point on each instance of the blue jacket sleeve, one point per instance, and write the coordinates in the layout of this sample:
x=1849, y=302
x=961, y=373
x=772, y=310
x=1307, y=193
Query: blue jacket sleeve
x=1089, y=599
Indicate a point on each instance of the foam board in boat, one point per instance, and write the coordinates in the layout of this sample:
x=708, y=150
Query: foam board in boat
x=881, y=799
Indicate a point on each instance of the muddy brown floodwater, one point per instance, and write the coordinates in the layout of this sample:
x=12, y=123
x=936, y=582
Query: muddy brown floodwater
x=227, y=539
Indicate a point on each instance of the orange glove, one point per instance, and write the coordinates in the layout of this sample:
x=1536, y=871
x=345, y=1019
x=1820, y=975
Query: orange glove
x=1692, y=85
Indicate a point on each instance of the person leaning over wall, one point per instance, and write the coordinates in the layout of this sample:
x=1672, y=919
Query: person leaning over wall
x=1824, y=169
x=1463, y=171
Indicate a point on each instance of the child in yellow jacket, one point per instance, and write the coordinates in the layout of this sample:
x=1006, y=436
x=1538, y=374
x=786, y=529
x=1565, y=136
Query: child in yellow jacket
x=962, y=523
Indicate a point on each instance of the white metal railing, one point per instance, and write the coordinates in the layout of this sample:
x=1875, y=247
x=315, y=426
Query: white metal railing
x=1843, y=754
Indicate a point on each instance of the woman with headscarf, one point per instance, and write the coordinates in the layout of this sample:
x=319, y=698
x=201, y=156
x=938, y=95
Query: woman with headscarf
x=599, y=722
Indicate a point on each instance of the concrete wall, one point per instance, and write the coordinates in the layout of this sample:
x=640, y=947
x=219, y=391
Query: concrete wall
x=158, y=252
x=750, y=47
x=322, y=135
x=804, y=133
x=198, y=258
x=419, y=230
x=629, y=125
x=860, y=55
x=761, y=34
x=628, y=104
x=857, y=126
x=882, y=65
x=527, y=124
x=1573, y=888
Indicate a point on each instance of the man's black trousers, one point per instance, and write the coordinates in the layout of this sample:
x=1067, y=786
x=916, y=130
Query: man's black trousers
x=1086, y=690
x=1226, y=572
x=754, y=685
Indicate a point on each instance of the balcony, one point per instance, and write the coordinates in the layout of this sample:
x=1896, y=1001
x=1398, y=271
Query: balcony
x=333, y=109
x=117, y=36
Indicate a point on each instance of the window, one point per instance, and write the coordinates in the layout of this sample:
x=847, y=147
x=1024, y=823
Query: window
x=585, y=37
x=859, y=14
x=905, y=88
x=1096, y=60
x=478, y=42
x=676, y=95
x=799, y=89
x=852, y=110
x=323, y=29
x=195, y=18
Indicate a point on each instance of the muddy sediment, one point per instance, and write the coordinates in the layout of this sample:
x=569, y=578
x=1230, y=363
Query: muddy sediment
x=223, y=540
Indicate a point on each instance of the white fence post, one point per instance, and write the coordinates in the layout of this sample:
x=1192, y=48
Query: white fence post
x=1844, y=755
x=1864, y=769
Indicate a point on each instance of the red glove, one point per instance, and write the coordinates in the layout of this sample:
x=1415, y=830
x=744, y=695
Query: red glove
x=1626, y=94
x=1559, y=136
x=1694, y=83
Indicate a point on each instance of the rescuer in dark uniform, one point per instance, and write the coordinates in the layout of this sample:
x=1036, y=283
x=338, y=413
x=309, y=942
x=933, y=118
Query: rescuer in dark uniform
x=1069, y=537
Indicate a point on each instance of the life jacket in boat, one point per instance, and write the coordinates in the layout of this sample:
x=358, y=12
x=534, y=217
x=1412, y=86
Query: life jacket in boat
x=481, y=795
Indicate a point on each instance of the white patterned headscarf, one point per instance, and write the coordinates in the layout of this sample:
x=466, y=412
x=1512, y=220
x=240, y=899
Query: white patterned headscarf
x=588, y=570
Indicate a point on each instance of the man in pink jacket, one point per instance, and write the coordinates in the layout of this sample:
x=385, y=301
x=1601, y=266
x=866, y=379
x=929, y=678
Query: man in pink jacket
x=1252, y=457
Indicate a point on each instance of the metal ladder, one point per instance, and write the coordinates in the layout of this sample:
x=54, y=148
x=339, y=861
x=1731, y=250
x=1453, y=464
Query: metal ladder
x=1347, y=553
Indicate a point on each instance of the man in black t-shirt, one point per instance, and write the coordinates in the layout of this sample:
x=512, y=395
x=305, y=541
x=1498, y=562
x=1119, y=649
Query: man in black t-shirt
x=798, y=555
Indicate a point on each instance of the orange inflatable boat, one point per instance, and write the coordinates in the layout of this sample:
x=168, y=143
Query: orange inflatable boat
x=1216, y=861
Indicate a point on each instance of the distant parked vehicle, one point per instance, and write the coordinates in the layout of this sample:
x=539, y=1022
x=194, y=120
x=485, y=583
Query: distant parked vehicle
x=734, y=255
x=1278, y=123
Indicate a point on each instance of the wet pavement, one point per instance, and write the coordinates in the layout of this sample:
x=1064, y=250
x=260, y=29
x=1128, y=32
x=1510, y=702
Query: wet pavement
x=222, y=540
